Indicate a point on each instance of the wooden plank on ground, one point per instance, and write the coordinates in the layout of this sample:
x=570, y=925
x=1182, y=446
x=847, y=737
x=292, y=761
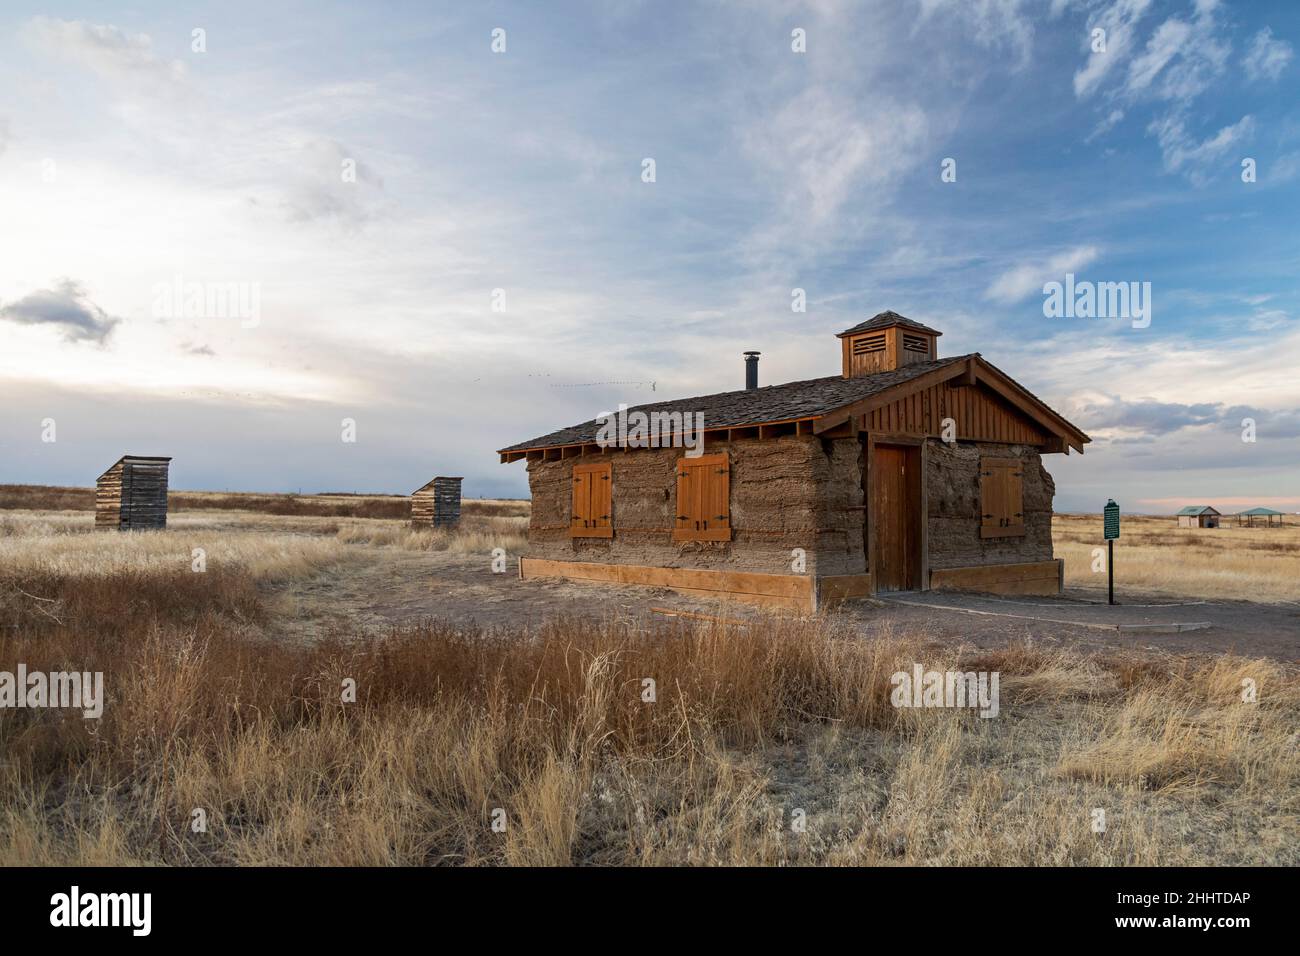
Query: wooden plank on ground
x=791, y=586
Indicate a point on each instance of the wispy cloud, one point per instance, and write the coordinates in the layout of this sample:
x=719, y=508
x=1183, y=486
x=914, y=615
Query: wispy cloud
x=1182, y=57
x=1182, y=153
x=1028, y=278
x=1119, y=21
x=823, y=146
x=1267, y=57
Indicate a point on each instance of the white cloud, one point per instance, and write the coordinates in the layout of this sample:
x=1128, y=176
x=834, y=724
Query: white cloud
x=822, y=146
x=1164, y=45
x=992, y=23
x=1106, y=125
x=1183, y=154
x=1186, y=56
x=1028, y=278
x=107, y=50
x=1267, y=57
x=1119, y=20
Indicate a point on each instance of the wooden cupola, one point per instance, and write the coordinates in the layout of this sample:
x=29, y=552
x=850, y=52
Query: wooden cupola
x=886, y=342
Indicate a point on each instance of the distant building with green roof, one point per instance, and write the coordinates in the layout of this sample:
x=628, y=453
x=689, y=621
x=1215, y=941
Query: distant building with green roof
x=1198, y=516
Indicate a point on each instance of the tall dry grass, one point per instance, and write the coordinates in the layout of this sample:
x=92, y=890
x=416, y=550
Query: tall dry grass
x=1153, y=553
x=750, y=730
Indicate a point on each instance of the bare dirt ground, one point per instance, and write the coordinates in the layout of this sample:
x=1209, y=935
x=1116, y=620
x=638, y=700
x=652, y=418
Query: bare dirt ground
x=373, y=589
x=1147, y=622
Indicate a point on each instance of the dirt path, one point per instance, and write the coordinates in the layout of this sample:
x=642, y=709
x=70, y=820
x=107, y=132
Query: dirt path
x=375, y=588
x=1143, y=622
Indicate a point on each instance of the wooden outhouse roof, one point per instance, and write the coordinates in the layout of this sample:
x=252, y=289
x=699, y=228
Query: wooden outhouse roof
x=428, y=486
x=1197, y=510
x=885, y=320
x=820, y=404
x=136, y=460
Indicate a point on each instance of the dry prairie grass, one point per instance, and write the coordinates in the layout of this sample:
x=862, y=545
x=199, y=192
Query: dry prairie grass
x=269, y=544
x=68, y=546
x=334, y=505
x=1153, y=553
x=549, y=726
x=475, y=534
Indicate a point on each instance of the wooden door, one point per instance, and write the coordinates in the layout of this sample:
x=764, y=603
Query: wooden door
x=895, y=517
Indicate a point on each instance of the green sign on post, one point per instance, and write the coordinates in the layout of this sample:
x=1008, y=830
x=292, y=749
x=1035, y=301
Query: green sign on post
x=1110, y=521
x=1111, y=517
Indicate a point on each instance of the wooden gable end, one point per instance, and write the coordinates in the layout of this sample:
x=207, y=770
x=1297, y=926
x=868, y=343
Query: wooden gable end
x=978, y=414
x=995, y=409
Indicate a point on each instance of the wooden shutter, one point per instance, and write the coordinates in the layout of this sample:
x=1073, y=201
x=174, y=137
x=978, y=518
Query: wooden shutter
x=592, y=501
x=1001, y=497
x=703, y=499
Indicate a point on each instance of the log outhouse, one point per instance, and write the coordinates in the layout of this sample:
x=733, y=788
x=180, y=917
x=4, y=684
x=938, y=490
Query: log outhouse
x=132, y=495
x=436, y=504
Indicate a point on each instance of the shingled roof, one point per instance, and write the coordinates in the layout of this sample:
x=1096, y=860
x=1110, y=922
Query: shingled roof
x=884, y=320
x=772, y=403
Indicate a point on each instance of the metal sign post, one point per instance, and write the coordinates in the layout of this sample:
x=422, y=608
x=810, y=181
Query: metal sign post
x=1110, y=520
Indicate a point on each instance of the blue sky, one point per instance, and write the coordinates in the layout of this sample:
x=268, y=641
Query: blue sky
x=131, y=161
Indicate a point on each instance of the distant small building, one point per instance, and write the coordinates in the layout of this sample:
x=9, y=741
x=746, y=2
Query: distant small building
x=1266, y=515
x=1198, y=516
x=132, y=495
x=437, y=504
